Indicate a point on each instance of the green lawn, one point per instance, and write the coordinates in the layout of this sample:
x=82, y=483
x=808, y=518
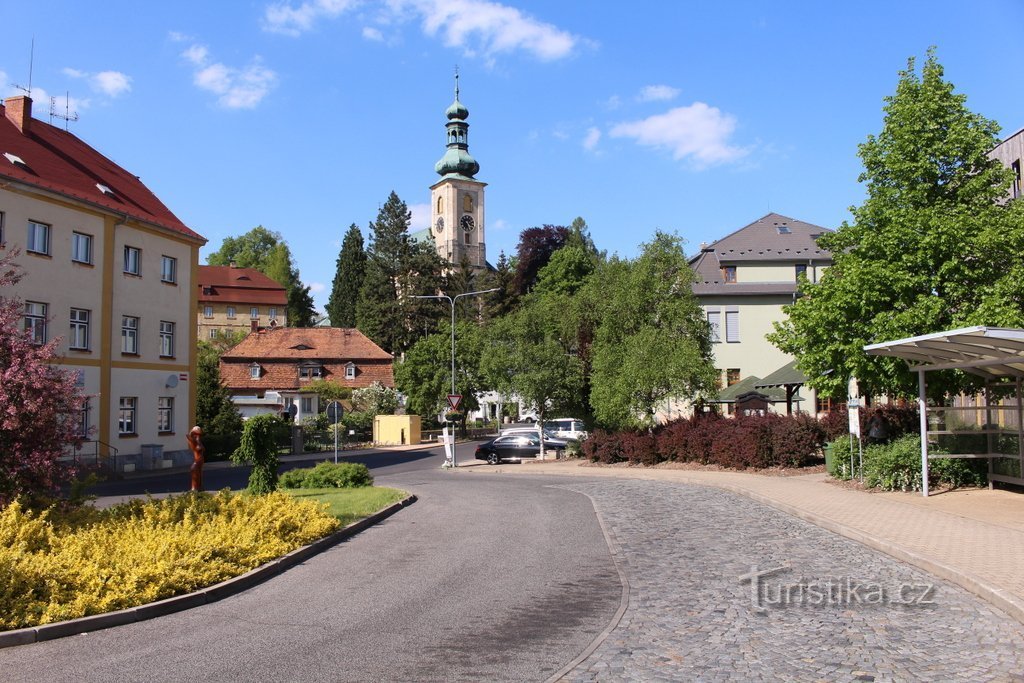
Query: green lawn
x=350, y=505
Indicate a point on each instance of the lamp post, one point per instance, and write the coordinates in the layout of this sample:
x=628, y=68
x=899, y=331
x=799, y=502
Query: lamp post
x=451, y=301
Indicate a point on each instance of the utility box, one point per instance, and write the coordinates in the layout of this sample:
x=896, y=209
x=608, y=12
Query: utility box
x=396, y=430
x=152, y=456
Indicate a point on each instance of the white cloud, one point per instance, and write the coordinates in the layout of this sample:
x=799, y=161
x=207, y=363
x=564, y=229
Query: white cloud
x=291, y=20
x=658, y=93
x=420, y=216
x=73, y=73
x=477, y=27
x=697, y=132
x=613, y=102
x=592, y=138
x=111, y=83
x=317, y=287
x=499, y=225
x=236, y=88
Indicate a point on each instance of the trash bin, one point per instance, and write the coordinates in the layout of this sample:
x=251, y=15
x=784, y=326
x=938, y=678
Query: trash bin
x=829, y=458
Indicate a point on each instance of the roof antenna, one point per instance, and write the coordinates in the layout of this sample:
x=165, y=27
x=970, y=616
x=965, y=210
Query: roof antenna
x=68, y=115
x=31, y=58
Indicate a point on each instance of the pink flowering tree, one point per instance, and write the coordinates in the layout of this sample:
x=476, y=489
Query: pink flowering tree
x=39, y=404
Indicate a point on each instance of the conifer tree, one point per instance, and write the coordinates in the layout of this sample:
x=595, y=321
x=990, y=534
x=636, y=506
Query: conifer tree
x=350, y=270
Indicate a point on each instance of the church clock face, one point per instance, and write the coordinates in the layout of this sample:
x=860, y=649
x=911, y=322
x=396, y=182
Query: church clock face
x=467, y=223
x=439, y=226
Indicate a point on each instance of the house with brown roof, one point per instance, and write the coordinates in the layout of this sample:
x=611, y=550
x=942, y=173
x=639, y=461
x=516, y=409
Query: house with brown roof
x=233, y=299
x=110, y=271
x=275, y=367
x=743, y=281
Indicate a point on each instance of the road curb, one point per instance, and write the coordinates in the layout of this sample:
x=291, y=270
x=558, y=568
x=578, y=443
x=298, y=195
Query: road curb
x=203, y=596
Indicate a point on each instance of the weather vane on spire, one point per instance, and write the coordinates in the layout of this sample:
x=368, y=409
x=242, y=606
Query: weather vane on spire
x=456, y=81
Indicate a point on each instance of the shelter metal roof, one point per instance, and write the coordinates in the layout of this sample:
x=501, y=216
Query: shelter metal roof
x=787, y=375
x=989, y=352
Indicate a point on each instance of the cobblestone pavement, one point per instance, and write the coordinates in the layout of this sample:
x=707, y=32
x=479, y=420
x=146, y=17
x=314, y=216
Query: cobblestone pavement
x=813, y=607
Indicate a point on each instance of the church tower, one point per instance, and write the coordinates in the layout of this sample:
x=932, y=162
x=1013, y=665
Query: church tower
x=457, y=200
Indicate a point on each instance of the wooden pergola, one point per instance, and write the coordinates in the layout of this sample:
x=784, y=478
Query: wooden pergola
x=992, y=429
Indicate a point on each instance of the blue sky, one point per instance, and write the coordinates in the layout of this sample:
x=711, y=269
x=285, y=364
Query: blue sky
x=689, y=117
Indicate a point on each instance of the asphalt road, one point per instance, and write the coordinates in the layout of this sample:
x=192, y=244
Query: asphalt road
x=485, y=577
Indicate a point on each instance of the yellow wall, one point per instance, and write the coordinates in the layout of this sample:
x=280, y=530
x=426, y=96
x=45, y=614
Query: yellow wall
x=393, y=430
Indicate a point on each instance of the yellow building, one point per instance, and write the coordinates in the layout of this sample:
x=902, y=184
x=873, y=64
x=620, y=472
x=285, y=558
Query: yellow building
x=109, y=270
x=233, y=300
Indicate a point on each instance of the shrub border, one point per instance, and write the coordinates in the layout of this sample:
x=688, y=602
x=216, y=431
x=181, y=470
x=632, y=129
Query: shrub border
x=217, y=591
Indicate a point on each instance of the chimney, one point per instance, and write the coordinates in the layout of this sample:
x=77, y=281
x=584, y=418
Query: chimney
x=233, y=264
x=19, y=112
x=254, y=325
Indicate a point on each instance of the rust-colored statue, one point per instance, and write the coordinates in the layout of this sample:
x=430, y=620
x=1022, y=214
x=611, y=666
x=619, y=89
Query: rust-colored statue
x=195, y=442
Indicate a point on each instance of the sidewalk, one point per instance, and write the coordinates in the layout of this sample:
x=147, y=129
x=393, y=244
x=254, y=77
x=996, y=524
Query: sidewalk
x=973, y=538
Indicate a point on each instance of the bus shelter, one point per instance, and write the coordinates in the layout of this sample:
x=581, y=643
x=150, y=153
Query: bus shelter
x=989, y=425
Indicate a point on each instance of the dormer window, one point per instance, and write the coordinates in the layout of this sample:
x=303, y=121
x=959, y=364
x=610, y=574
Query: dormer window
x=729, y=274
x=350, y=371
x=311, y=371
x=255, y=371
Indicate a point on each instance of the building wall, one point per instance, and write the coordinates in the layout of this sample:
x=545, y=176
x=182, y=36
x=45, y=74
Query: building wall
x=752, y=354
x=447, y=200
x=1010, y=153
x=241, y=322
x=107, y=293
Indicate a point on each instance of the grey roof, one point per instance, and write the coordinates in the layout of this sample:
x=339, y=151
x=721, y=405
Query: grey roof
x=747, y=386
x=990, y=352
x=773, y=238
x=787, y=375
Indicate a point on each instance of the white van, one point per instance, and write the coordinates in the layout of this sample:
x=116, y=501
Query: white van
x=566, y=428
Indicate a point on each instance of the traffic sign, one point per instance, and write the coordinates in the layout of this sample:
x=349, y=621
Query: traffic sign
x=334, y=412
x=455, y=400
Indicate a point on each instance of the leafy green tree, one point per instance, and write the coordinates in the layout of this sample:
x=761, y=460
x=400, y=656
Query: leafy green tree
x=536, y=245
x=350, y=270
x=653, y=341
x=329, y=391
x=279, y=267
x=502, y=278
x=215, y=412
x=251, y=250
x=931, y=248
x=260, y=439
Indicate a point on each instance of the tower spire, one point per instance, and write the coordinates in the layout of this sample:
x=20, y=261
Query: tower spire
x=457, y=160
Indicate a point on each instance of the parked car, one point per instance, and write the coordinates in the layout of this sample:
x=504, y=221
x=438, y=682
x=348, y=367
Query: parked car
x=548, y=434
x=516, y=447
x=566, y=428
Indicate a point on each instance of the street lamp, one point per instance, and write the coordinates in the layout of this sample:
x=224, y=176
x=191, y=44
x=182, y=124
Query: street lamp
x=451, y=300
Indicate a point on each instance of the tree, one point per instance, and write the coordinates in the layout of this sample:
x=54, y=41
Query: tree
x=931, y=248
x=350, y=269
x=502, y=278
x=215, y=411
x=261, y=437
x=279, y=267
x=251, y=250
x=536, y=245
x=653, y=341
x=39, y=404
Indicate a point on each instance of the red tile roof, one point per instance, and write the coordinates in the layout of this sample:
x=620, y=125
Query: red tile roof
x=239, y=285
x=57, y=161
x=280, y=352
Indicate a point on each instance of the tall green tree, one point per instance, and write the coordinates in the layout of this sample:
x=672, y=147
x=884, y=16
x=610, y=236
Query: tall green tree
x=215, y=412
x=251, y=250
x=501, y=278
x=931, y=248
x=653, y=341
x=350, y=269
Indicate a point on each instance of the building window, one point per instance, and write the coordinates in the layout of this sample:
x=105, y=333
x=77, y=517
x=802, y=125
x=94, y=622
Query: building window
x=168, y=269
x=1016, y=179
x=126, y=415
x=254, y=371
x=272, y=313
x=715, y=322
x=35, y=321
x=38, y=238
x=213, y=333
x=166, y=338
x=350, y=371
x=310, y=371
x=81, y=247
x=307, y=405
x=254, y=312
x=732, y=326
x=79, y=329
x=132, y=260
x=165, y=414
x=729, y=274
x=129, y=334
x=801, y=269
x=732, y=376
x=231, y=312
x=207, y=311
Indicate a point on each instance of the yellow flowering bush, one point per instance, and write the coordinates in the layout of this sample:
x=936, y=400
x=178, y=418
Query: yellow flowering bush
x=56, y=566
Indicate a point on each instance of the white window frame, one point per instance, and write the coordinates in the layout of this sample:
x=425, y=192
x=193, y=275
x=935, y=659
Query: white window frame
x=132, y=260
x=254, y=313
x=715, y=322
x=732, y=327
x=166, y=339
x=79, y=337
x=207, y=311
x=126, y=414
x=307, y=405
x=231, y=313
x=213, y=333
x=81, y=242
x=254, y=371
x=35, y=321
x=38, y=241
x=169, y=270
x=165, y=414
x=350, y=371
x=130, y=334
x=272, y=314
x=311, y=371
